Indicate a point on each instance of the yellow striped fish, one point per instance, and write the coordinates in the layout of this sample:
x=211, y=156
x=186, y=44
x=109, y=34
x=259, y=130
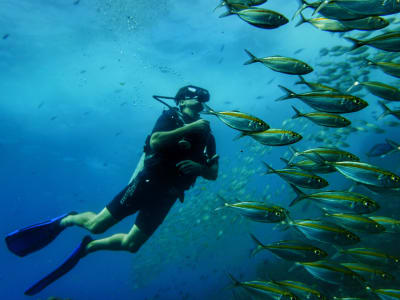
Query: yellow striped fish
x=291, y=250
x=258, y=211
x=301, y=289
x=238, y=120
x=264, y=288
x=274, y=137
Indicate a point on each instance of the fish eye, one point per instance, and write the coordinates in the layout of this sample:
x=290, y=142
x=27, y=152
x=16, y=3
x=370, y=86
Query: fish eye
x=383, y=275
x=394, y=178
x=317, y=252
x=396, y=260
x=351, y=236
x=277, y=213
x=365, y=203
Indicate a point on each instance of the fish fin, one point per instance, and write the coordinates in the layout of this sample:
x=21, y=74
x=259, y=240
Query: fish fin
x=298, y=113
x=240, y=135
x=302, y=20
x=300, y=195
x=270, y=170
x=302, y=80
x=393, y=144
x=259, y=246
x=252, y=59
x=289, y=94
x=356, y=43
x=234, y=280
x=295, y=153
x=386, y=110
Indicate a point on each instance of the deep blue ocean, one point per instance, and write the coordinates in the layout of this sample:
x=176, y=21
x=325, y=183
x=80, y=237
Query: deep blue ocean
x=76, y=81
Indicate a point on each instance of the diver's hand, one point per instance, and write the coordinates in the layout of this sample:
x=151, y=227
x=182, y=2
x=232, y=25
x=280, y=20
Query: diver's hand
x=199, y=126
x=189, y=167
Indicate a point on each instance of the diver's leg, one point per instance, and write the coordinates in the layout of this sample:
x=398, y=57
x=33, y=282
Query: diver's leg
x=95, y=223
x=147, y=221
x=120, y=242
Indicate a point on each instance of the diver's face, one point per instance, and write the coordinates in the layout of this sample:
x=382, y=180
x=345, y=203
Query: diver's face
x=192, y=107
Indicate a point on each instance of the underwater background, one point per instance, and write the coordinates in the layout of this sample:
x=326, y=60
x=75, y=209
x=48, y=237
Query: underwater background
x=77, y=79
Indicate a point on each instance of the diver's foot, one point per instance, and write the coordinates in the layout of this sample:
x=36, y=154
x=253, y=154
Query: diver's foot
x=66, y=221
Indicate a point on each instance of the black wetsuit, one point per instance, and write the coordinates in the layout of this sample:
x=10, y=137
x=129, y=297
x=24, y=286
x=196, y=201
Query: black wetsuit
x=156, y=188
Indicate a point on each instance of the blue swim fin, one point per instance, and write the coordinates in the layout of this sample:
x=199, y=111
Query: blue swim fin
x=64, y=268
x=32, y=238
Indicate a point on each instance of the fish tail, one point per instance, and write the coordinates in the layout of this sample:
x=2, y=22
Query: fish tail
x=224, y=202
x=294, y=153
x=252, y=59
x=259, y=247
x=393, y=144
x=298, y=113
x=270, y=170
x=339, y=251
x=234, y=280
x=321, y=6
x=285, y=161
x=295, y=265
x=219, y=5
x=369, y=62
x=302, y=20
x=356, y=82
x=300, y=195
x=229, y=12
x=315, y=157
x=208, y=110
x=239, y=136
x=302, y=80
x=356, y=43
x=386, y=110
x=302, y=6
x=289, y=94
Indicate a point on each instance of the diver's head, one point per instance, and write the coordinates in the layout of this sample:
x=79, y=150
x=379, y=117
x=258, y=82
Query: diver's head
x=190, y=100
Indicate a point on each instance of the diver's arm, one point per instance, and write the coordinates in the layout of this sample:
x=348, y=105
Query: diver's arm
x=208, y=171
x=164, y=139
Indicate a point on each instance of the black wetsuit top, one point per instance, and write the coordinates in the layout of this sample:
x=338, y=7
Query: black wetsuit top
x=161, y=167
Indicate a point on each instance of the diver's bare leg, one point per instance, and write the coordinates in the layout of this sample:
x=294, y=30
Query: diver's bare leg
x=95, y=223
x=120, y=242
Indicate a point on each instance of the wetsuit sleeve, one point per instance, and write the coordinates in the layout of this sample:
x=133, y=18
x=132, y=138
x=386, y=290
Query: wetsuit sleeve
x=165, y=122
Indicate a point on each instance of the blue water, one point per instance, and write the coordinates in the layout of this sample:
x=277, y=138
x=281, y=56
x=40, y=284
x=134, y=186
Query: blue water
x=76, y=107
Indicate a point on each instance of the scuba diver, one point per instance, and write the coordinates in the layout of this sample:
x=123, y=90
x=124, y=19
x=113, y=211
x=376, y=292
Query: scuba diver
x=179, y=149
